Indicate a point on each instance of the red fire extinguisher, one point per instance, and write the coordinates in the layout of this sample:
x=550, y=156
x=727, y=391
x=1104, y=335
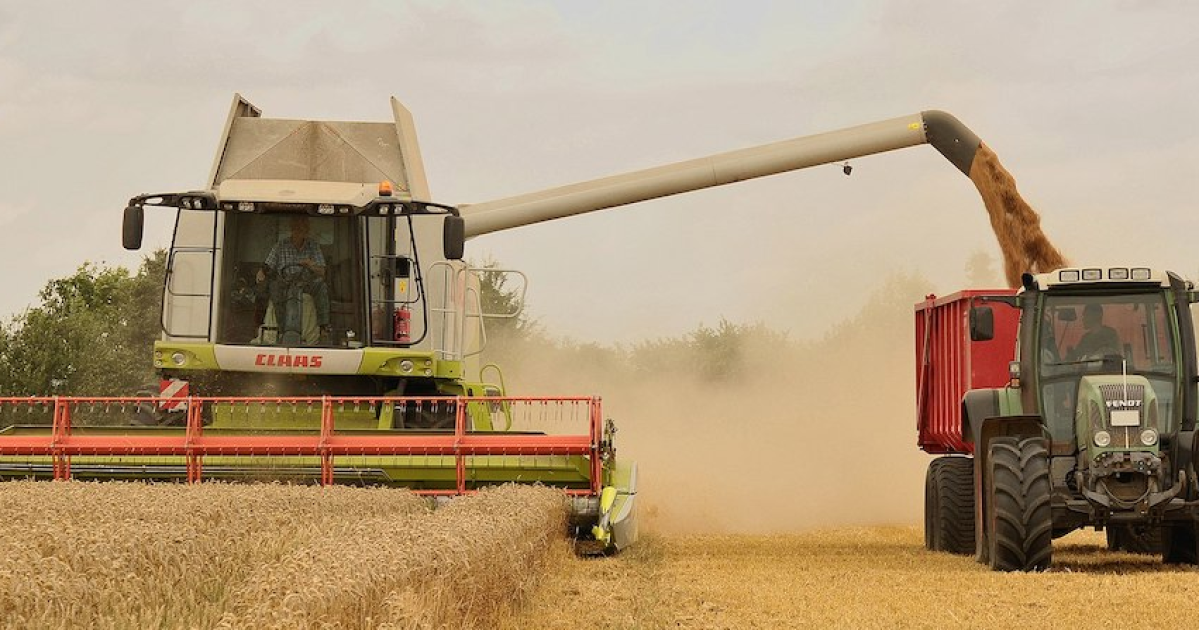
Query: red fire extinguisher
x=403, y=324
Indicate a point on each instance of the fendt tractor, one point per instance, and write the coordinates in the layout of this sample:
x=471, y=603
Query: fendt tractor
x=1068, y=403
x=319, y=325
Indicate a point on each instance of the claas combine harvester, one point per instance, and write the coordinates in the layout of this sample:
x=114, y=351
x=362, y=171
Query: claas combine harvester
x=319, y=325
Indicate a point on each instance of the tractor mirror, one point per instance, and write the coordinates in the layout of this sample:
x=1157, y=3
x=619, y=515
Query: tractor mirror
x=131, y=228
x=982, y=323
x=454, y=238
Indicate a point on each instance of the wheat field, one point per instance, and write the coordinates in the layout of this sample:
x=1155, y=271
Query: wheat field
x=78, y=555
x=853, y=577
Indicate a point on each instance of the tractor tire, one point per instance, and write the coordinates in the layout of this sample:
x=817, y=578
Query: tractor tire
x=949, y=505
x=1180, y=544
x=1019, y=514
x=1134, y=539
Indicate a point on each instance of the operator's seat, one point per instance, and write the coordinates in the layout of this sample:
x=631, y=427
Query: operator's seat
x=310, y=333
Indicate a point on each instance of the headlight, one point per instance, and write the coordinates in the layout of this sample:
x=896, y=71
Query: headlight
x=405, y=366
x=1148, y=437
x=1102, y=439
x=178, y=359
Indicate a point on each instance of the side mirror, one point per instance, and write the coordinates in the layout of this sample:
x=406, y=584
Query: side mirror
x=453, y=241
x=132, y=226
x=982, y=323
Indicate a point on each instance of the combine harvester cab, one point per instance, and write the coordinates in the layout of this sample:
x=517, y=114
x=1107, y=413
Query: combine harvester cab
x=1067, y=404
x=319, y=325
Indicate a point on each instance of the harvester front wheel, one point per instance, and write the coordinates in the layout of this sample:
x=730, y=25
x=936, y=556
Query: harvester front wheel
x=949, y=505
x=1019, y=514
x=1180, y=545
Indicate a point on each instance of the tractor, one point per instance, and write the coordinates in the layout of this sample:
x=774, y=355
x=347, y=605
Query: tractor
x=1067, y=403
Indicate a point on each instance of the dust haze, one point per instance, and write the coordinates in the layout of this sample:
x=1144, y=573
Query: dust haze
x=804, y=434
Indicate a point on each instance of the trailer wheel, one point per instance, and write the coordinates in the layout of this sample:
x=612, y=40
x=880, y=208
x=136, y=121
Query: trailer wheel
x=1134, y=539
x=1019, y=515
x=949, y=505
x=1179, y=544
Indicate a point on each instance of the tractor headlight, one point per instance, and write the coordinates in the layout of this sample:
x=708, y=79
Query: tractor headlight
x=1103, y=439
x=1148, y=437
x=178, y=359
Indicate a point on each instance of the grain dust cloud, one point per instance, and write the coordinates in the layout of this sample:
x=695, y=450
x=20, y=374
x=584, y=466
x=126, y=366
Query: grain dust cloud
x=797, y=434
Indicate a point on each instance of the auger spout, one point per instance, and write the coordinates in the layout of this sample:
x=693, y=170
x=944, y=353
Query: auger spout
x=942, y=130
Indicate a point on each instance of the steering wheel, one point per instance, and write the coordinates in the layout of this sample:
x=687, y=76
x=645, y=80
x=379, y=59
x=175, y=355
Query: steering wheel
x=293, y=271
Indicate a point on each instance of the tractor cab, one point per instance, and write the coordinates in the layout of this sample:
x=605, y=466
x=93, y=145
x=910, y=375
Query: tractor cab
x=1110, y=366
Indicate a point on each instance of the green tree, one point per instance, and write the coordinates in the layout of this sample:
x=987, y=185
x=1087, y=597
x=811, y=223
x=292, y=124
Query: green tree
x=728, y=352
x=498, y=296
x=90, y=335
x=981, y=272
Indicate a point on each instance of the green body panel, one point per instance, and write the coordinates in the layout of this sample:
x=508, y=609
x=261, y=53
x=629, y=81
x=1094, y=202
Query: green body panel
x=197, y=356
x=1009, y=402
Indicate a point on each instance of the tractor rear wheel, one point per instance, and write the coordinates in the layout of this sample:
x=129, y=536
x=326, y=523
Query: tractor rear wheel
x=1180, y=544
x=1134, y=539
x=949, y=505
x=1019, y=514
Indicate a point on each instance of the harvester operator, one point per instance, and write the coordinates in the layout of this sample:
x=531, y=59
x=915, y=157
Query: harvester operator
x=296, y=266
x=1098, y=340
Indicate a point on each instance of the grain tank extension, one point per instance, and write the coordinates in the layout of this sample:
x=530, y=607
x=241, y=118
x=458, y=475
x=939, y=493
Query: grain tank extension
x=1067, y=404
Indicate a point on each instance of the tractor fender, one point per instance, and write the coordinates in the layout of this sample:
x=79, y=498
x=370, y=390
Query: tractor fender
x=977, y=405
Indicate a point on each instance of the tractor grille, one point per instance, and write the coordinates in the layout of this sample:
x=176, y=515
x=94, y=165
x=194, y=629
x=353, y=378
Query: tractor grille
x=1126, y=437
x=1117, y=392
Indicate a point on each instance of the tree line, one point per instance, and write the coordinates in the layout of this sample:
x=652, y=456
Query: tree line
x=91, y=334
x=93, y=331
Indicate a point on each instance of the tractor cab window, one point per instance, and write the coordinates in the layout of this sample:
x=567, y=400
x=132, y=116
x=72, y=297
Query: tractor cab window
x=290, y=279
x=1095, y=334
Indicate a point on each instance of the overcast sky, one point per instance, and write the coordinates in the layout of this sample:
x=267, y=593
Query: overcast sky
x=1091, y=105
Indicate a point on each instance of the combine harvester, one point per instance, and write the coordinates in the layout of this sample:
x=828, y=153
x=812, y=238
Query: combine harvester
x=352, y=356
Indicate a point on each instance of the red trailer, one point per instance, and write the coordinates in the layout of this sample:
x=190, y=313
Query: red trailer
x=949, y=363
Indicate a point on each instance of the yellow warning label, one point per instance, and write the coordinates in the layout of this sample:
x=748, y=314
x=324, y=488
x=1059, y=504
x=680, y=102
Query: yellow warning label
x=402, y=286
x=913, y=126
